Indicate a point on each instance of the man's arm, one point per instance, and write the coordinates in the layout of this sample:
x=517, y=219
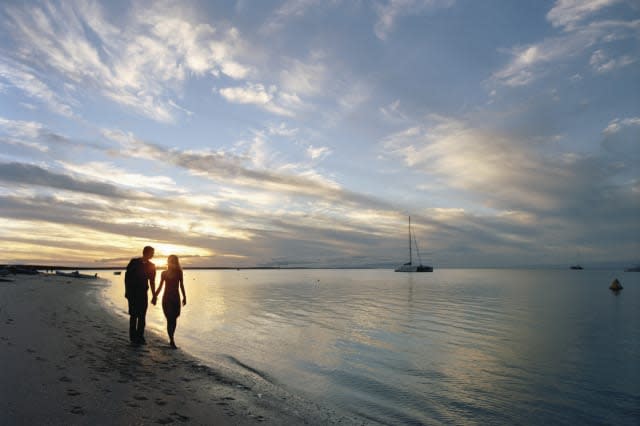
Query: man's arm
x=152, y=281
x=155, y=294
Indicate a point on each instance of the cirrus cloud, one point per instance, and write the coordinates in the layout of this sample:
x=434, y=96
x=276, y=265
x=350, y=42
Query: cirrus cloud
x=140, y=62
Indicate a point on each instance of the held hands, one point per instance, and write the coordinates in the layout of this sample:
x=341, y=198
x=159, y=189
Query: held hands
x=154, y=299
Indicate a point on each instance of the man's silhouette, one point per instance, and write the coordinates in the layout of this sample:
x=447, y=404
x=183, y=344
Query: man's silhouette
x=140, y=274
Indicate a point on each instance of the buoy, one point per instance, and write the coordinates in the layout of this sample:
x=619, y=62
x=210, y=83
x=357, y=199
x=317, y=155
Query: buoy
x=615, y=285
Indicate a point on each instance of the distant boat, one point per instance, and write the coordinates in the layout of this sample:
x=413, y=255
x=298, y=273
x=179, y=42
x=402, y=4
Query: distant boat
x=633, y=269
x=576, y=267
x=117, y=272
x=76, y=274
x=409, y=266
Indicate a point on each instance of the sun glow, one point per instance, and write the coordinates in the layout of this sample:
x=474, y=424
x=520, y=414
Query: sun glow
x=163, y=250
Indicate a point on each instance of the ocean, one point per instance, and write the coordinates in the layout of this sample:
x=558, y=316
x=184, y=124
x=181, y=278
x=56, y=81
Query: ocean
x=456, y=346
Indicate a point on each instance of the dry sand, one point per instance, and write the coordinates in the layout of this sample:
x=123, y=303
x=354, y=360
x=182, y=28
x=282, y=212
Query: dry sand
x=65, y=359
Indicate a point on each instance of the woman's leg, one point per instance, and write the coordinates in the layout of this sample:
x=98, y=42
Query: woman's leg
x=171, y=329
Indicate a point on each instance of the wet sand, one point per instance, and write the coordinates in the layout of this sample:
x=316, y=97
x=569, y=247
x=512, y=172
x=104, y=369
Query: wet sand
x=65, y=359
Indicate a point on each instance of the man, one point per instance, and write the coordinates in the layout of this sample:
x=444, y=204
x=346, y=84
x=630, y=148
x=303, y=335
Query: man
x=141, y=273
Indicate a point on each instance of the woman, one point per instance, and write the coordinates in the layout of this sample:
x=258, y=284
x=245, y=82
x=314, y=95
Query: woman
x=171, y=297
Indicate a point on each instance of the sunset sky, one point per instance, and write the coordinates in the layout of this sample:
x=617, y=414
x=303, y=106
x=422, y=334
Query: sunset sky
x=304, y=132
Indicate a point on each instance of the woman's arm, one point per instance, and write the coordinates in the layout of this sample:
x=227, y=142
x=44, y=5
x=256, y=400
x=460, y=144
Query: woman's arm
x=184, y=295
x=157, y=292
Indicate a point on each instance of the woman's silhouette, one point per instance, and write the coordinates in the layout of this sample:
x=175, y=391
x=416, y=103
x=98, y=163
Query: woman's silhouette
x=171, y=297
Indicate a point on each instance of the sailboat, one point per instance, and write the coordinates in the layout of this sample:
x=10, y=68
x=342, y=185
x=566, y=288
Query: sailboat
x=576, y=266
x=409, y=266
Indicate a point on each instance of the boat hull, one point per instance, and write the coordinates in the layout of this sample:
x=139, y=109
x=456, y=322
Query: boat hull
x=414, y=268
x=76, y=274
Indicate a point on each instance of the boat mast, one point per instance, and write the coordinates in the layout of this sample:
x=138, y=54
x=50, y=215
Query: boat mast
x=410, y=258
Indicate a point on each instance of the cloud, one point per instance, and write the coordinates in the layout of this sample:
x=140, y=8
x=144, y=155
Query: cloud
x=290, y=9
x=498, y=170
x=529, y=63
x=140, y=62
x=529, y=201
x=93, y=216
x=316, y=153
x=255, y=94
x=118, y=229
x=34, y=135
x=267, y=98
x=392, y=112
x=282, y=130
x=391, y=10
x=601, y=63
x=568, y=13
x=231, y=169
x=109, y=173
x=32, y=175
x=620, y=139
x=25, y=80
x=22, y=133
x=21, y=128
x=617, y=124
x=305, y=78
x=354, y=95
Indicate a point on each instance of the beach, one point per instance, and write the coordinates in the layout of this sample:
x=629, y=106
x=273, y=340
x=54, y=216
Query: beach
x=67, y=360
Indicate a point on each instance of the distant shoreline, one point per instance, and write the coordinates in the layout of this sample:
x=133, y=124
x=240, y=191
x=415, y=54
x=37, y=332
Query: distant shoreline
x=39, y=267
x=120, y=268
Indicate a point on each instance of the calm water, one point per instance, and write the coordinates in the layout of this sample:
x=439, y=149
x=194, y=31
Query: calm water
x=453, y=346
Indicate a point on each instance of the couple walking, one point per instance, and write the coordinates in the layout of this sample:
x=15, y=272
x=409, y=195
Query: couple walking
x=140, y=275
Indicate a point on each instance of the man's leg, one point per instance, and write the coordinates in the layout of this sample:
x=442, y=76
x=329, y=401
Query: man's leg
x=142, y=318
x=133, y=318
x=141, y=324
x=133, y=332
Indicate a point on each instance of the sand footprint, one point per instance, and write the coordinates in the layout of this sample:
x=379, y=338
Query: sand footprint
x=77, y=410
x=73, y=392
x=180, y=417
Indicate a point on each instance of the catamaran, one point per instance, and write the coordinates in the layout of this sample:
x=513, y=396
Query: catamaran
x=409, y=266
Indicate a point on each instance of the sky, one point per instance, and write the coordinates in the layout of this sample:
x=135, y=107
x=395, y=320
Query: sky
x=305, y=132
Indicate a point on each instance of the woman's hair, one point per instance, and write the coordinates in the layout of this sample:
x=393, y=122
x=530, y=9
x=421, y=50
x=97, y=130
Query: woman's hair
x=173, y=264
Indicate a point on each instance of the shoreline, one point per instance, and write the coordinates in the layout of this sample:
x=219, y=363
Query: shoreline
x=67, y=360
